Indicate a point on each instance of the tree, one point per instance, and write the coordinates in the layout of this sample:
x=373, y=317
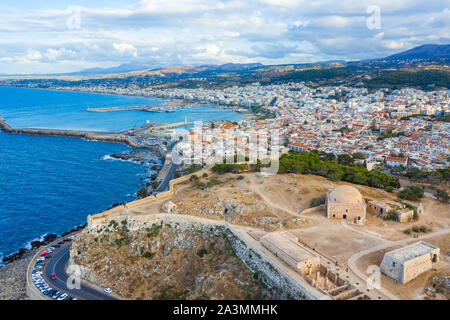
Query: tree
x=359, y=155
x=442, y=195
x=345, y=159
x=412, y=193
x=142, y=193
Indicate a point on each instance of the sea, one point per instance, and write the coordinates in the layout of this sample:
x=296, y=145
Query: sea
x=51, y=184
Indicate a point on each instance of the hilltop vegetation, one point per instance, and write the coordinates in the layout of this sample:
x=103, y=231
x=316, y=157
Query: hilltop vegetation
x=425, y=80
x=325, y=165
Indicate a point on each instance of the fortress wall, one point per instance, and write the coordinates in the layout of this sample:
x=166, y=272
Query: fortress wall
x=269, y=273
x=145, y=201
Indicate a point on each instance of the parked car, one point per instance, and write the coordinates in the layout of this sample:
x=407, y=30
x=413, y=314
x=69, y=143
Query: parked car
x=107, y=290
x=43, y=254
x=62, y=297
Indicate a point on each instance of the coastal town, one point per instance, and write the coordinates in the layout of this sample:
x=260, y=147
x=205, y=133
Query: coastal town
x=404, y=127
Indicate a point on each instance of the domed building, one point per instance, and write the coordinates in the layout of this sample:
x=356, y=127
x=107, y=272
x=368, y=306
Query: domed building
x=346, y=202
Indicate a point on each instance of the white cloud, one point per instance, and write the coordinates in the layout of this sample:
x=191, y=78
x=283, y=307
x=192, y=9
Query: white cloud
x=213, y=31
x=125, y=48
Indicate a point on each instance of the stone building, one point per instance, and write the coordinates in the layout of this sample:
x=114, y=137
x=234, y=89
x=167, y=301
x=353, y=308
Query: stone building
x=345, y=202
x=378, y=207
x=405, y=215
x=286, y=247
x=407, y=263
x=169, y=207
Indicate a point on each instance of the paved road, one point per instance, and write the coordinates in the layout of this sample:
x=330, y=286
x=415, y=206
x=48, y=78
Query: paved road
x=57, y=265
x=164, y=185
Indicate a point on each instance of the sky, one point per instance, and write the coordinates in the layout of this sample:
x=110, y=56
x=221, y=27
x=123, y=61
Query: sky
x=57, y=36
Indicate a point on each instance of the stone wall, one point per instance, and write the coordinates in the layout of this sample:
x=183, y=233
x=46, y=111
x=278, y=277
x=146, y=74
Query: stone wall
x=392, y=268
x=268, y=272
x=417, y=266
x=96, y=219
x=351, y=211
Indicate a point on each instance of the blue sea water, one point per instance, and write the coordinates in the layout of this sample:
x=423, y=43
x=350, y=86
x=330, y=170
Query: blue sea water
x=50, y=184
x=50, y=109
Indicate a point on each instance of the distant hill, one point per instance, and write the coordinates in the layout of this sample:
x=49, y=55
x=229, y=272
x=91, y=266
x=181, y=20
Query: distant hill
x=126, y=67
x=426, y=51
x=238, y=66
x=133, y=67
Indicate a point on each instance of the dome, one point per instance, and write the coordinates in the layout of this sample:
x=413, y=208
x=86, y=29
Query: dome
x=345, y=194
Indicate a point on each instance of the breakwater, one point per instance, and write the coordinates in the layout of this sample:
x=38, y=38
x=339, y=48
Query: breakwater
x=88, y=135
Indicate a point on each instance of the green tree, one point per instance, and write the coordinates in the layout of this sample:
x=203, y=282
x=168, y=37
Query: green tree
x=412, y=193
x=345, y=159
x=442, y=195
x=142, y=193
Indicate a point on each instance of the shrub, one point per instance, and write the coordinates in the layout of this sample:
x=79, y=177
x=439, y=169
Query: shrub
x=391, y=216
x=412, y=193
x=148, y=255
x=202, y=252
x=442, y=195
x=142, y=193
x=317, y=201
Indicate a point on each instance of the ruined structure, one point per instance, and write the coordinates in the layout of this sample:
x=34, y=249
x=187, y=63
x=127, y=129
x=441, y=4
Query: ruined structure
x=285, y=246
x=405, y=215
x=380, y=208
x=407, y=263
x=169, y=207
x=345, y=202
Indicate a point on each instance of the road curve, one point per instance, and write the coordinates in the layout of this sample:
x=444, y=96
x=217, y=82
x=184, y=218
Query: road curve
x=57, y=265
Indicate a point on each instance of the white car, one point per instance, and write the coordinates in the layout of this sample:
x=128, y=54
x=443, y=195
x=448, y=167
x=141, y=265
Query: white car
x=107, y=290
x=62, y=297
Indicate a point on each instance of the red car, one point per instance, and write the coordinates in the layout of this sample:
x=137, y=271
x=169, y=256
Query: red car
x=53, y=276
x=43, y=254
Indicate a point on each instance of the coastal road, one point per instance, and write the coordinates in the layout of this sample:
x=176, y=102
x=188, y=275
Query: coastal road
x=57, y=265
x=164, y=185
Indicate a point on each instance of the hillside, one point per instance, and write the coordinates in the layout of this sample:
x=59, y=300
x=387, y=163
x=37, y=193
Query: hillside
x=165, y=261
x=426, y=51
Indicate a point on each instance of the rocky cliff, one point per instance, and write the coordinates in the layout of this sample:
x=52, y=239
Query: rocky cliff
x=164, y=260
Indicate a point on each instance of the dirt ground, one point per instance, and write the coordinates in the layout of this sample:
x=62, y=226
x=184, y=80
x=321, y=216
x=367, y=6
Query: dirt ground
x=334, y=241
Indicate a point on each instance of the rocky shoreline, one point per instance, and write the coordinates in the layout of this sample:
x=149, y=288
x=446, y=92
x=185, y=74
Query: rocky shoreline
x=144, y=158
x=46, y=239
x=13, y=275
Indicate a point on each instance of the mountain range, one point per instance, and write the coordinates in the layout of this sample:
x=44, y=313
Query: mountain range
x=426, y=51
